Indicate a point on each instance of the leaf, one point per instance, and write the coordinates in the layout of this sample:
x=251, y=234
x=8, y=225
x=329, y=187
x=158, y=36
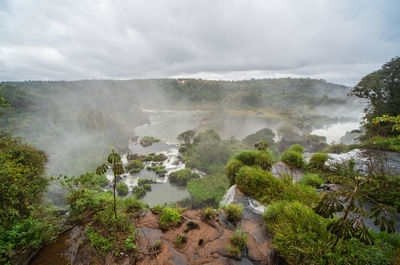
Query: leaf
x=101, y=169
x=113, y=158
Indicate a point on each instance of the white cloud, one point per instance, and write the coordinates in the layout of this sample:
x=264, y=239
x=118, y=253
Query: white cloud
x=337, y=40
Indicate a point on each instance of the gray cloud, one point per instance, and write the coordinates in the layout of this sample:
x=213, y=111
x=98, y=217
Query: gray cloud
x=336, y=40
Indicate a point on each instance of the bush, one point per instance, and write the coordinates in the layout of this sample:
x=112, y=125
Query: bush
x=318, y=160
x=147, y=187
x=101, y=244
x=233, y=212
x=208, y=190
x=258, y=183
x=262, y=158
x=311, y=180
x=231, y=168
x=134, y=166
x=181, y=177
x=337, y=148
x=297, y=148
x=132, y=205
x=169, y=218
x=301, y=237
x=239, y=239
x=208, y=214
x=101, y=180
x=157, y=209
x=138, y=192
x=148, y=140
x=293, y=158
x=122, y=189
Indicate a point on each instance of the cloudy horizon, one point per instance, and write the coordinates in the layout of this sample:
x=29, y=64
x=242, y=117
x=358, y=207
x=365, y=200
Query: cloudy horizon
x=339, y=41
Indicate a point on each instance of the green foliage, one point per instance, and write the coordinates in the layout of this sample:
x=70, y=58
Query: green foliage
x=130, y=240
x=233, y=212
x=382, y=143
x=394, y=120
x=157, y=209
x=297, y=148
x=138, y=192
x=208, y=152
x=132, y=205
x=337, y=148
x=169, y=218
x=265, y=135
x=318, y=160
x=147, y=187
x=311, y=180
x=22, y=178
x=302, y=237
x=258, y=183
x=180, y=240
x=382, y=89
x=186, y=137
x=264, y=159
x=181, y=177
x=238, y=241
x=134, y=165
x=208, y=190
x=231, y=168
x=101, y=244
x=122, y=189
x=293, y=158
x=148, y=140
x=208, y=214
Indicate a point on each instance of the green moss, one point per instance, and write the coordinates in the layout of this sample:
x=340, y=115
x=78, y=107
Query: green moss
x=231, y=168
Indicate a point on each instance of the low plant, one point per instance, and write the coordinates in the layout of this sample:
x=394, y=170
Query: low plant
x=157, y=209
x=181, y=177
x=180, y=240
x=293, y=158
x=262, y=158
x=313, y=180
x=100, y=243
x=239, y=239
x=169, y=217
x=208, y=214
x=297, y=148
x=130, y=240
x=134, y=165
x=122, y=189
x=318, y=160
x=147, y=187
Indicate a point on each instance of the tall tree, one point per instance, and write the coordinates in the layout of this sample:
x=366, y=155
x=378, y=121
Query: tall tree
x=382, y=90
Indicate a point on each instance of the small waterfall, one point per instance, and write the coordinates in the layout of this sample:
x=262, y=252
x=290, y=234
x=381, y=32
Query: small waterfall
x=229, y=195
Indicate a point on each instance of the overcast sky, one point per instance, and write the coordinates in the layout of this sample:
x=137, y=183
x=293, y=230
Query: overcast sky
x=338, y=40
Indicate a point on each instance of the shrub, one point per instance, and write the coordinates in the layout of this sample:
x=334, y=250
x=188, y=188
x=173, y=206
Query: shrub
x=239, y=238
x=132, y=205
x=297, y=148
x=157, y=209
x=130, y=240
x=148, y=140
x=100, y=243
x=301, y=237
x=337, y=148
x=233, y=212
x=231, y=168
x=147, y=187
x=262, y=158
x=134, y=166
x=180, y=177
x=169, y=218
x=318, y=160
x=122, y=188
x=180, y=240
x=208, y=214
x=256, y=182
x=138, y=192
x=293, y=158
x=311, y=180
x=101, y=180
x=208, y=190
